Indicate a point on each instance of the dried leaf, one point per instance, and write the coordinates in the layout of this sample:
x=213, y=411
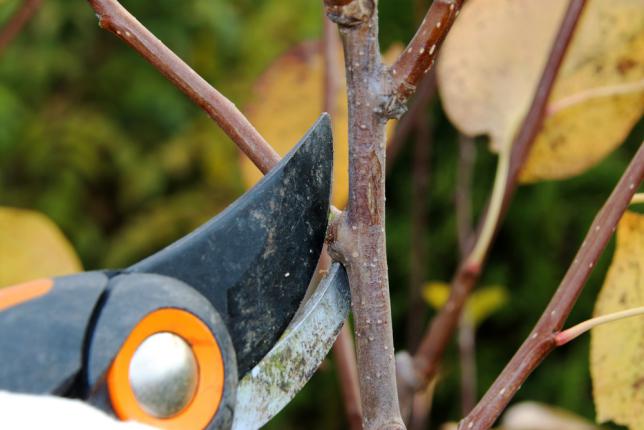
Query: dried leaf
x=617, y=349
x=286, y=101
x=32, y=246
x=537, y=416
x=494, y=56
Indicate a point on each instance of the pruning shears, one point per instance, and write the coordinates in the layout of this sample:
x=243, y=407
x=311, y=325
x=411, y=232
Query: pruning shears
x=203, y=334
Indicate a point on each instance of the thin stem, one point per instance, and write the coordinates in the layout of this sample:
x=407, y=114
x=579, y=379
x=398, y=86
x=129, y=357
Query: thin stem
x=115, y=18
x=463, y=197
x=638, y=199
x=345, y=360
x=16, y=23
x=440, y=331
x=467, y=360
x=418, y=58
x=541, y=341
x=493, y=215
x=419, y=220
x=575, y=331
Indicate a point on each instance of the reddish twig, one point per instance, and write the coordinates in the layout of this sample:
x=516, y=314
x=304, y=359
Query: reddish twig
x=442, y=327
x=115, y=18
x=419, y=216
x=418, y=58
x=345, y=360
x=541, y=341
x=467, y=360
x=17, y=21
x=463, y=194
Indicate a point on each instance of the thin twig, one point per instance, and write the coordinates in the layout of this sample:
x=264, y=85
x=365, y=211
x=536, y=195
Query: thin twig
x=467, y=360
x=444, y=324
x=115, y=18
x=463, y=194
x=541, y=341
x=345, y=360
x=419, y=217
x=21, y=16
x=418, y=58
x=463, y=205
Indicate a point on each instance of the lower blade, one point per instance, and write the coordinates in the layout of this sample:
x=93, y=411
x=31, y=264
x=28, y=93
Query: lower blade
x=282, y=373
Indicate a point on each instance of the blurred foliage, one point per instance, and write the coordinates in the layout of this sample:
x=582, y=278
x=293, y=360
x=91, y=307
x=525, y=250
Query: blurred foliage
x=92, y=136
x=482, y=304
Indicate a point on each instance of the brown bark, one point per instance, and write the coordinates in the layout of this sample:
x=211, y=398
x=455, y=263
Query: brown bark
x=360, y=231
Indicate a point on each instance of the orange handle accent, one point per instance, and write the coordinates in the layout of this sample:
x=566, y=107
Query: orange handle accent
x=17, y=294
x=210, y=388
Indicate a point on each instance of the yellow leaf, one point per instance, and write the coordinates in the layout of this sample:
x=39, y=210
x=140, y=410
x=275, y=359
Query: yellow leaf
x=286, y=101
x=436, y=294
x=485, y=301
x=616, y=349
x=32, y=246
x=481, y=304
x=494, y=56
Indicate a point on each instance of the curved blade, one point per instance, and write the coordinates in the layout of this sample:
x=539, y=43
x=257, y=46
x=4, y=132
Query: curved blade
x=266, y=389
x=255, y=259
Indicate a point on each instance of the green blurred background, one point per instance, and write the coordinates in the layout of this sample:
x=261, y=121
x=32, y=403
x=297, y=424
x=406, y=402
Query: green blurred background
x=94, y=137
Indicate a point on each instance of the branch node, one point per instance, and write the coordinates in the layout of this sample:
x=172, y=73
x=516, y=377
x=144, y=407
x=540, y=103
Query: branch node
x=350, y=14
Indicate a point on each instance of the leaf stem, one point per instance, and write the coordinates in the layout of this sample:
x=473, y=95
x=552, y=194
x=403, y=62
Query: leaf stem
x=493, y=215
x=638, y=199
x=575, y=331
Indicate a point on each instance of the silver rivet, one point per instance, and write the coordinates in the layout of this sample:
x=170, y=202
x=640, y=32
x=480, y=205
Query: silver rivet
x=163, y=374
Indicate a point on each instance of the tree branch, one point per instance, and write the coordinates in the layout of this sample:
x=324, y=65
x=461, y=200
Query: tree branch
x=115, y=18
x=444, y=324
x=21, y=16
x=418, y=58
x=343, y=348
x=359, y=235
x=542, y=338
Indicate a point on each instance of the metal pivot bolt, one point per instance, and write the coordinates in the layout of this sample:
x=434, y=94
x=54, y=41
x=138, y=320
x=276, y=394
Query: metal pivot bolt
x=163, y=374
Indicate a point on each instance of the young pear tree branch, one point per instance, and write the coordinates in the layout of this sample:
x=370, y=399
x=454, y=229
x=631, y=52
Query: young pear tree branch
x=442, y=327
x=116, y=19
x=358, y=239
x=542, y=339
x=418, y=58
x=344, y=354
x=20, y=17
